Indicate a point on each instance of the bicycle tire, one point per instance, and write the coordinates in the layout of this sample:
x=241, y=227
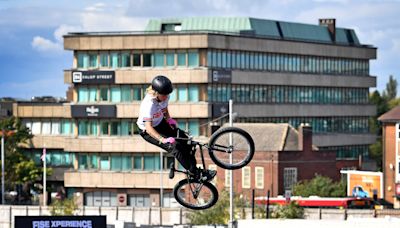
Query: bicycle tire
x=182, y=189
x=242, y=142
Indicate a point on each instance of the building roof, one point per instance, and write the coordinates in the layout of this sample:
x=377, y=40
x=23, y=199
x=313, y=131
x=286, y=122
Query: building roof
x=391, y=116
x=254, y=26
x=271, y=136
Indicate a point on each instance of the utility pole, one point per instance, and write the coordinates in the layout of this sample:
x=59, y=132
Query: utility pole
x=2, y=166
x=231, y=222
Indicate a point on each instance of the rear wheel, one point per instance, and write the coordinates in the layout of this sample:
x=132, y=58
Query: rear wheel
x=195, y=195
x=231, y=141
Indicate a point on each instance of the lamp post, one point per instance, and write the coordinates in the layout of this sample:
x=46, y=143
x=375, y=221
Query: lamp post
x=3, y=134
x=2, y=166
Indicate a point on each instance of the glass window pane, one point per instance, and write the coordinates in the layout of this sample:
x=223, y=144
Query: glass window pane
x=104, y=163
x=125, y=59
x=149, y=163
x=93, y=127
x=137, y=94
x=83, y=94
x=147, y=60
x=137, y=160
x=126, y=128
x=104, y=128
x=193, y=59
x=181, y=59
x=103, y=59
x=182, y=93
x=136, y=60
x=46, y=128
x=114, y=60
x=83, y=60
x=115, y=128
x=82, y=127
x=170, y=59
x=172, y=96
x=55, y=128
x=158, y=59
x=126, y=94
x=66, y=127
x=194, y=127
x=92, y=94
x=93, y=60
x=82, y=161
x=104, y=94
x=93, y=161
x=193, y=93
x=115, y=94
x=116, y=162
x=126, y=163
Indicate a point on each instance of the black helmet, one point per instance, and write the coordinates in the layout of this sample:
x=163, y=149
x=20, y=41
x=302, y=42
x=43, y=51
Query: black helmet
x=162, y=85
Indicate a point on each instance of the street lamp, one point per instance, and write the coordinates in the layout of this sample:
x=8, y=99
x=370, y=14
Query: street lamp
x=3, y=134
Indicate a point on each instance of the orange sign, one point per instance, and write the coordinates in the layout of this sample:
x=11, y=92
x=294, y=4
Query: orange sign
x=364, y=184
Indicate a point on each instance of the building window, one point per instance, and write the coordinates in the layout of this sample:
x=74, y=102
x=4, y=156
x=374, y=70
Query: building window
x=193, y=59
x=246, y=177
x=158, y=59
x=181, y=59
x=259, y=177
x=147, y=59
x=139, y=200
x=289, y=178
x=101, y=198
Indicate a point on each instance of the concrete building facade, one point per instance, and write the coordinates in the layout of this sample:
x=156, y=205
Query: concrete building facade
x=274, y=71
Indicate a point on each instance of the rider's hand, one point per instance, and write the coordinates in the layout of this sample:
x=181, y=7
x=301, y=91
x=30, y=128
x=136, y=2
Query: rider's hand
x=172, y=122
x=168, y=140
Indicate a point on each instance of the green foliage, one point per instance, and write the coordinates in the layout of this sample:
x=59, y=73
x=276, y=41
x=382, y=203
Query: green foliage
x=19, y=169
x=375, y=152
x=391, y=89
x=218, y=214
x=63, y=207
x=289, y=211
x=320, y=186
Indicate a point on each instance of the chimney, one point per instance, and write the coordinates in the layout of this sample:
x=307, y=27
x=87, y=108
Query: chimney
x=305, y=137
x=331, y=24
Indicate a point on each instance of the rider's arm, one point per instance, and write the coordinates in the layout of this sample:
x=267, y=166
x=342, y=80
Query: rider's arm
x=152, y=132
x=166, y=113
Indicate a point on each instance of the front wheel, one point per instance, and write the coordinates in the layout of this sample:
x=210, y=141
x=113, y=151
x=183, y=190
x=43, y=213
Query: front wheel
x=231, y=141
x=195, y=195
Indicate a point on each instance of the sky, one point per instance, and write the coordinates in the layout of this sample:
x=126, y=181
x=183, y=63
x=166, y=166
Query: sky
x=32, y=58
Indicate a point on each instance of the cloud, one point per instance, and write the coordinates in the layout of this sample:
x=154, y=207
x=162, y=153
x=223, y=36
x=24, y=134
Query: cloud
x=44, y=45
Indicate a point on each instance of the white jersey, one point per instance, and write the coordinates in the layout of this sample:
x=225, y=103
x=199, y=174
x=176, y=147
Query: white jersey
x=151, y=110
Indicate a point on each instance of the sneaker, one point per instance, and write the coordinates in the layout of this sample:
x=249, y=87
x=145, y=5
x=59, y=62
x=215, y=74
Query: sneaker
x=208, y=175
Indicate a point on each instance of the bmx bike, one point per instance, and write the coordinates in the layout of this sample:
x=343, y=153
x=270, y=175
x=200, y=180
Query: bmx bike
x=229, y=148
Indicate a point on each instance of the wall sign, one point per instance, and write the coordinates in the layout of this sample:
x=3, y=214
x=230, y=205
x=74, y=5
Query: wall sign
x=219, y=109
x=222, y=76
x=60, y=221
x=93, y=77
x=94, y=111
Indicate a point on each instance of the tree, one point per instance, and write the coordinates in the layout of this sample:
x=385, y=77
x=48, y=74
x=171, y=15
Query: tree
x=391, y=89
x=320, y=186
x=290, y=211
x=218, y=214
x=19, y=169
x=63, y=207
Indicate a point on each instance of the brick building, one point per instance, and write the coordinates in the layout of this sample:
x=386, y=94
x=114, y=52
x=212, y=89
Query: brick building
x=283, y=157
x=391, y=156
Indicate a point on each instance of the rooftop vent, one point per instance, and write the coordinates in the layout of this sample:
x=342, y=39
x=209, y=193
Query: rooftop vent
x=171, y=27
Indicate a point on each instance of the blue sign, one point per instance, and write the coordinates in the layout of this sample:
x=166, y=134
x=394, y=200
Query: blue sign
x=60, y=221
